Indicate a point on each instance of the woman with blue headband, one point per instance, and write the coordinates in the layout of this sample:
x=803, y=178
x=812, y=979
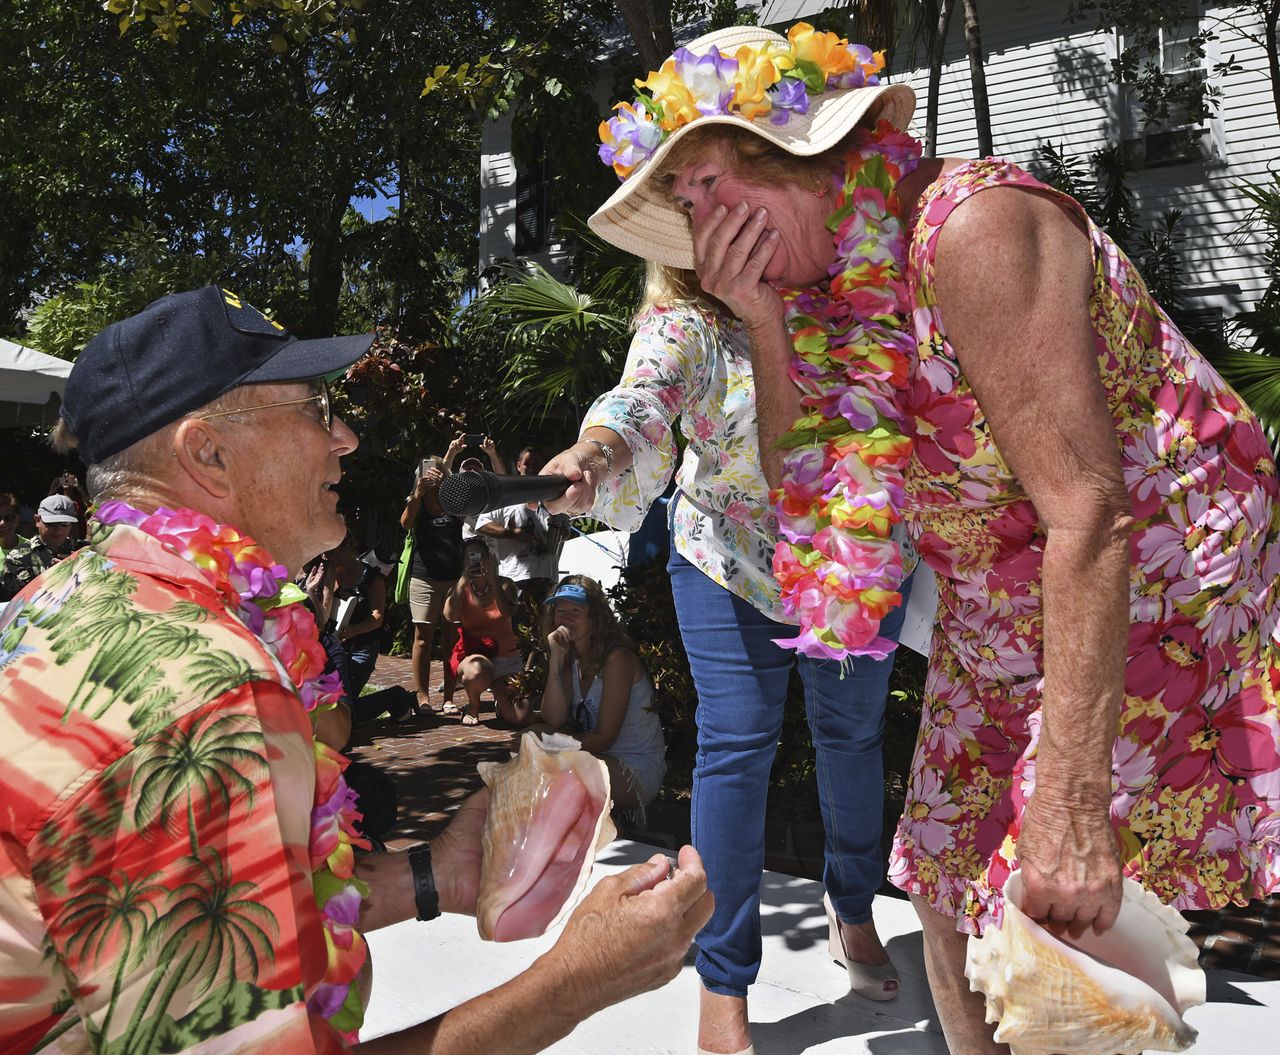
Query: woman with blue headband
x=598, y=690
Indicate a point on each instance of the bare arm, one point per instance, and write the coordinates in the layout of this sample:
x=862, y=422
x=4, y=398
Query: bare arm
x=777, y=397
x=555, y=704
x=454, y=449
x=628, y=936
x=377, y=597
x=500, y=529
x=333, y=725
x=495, y=459
x=1025, y=342
x=504, y=591
x=587, y=468
x=732, y=248
x=452, y=610
x=410, y=515
x=620, y=669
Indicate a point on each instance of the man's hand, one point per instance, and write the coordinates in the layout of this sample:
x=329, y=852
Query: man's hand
x=456, y=854
x=1071, y=868
x=631, y=933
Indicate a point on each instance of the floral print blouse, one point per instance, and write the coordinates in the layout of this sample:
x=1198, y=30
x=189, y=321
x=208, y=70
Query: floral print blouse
x=696, y=366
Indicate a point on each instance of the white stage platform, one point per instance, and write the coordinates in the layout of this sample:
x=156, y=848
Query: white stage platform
x=799, y=1005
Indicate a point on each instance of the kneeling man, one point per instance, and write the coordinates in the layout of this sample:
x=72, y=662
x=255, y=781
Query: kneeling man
x=176, y=843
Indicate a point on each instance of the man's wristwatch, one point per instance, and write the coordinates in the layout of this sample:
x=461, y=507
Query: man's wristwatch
x=424, y=882
x=605, y=449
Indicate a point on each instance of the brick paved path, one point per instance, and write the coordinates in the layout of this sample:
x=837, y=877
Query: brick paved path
x=433, y=760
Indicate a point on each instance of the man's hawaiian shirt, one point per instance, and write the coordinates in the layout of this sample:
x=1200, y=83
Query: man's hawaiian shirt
x=155, y=801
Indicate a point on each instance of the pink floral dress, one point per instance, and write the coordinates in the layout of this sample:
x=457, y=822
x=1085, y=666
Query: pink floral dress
x=1196, y=763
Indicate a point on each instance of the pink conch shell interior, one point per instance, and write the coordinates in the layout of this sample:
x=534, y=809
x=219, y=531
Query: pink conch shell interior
x=1123, y=991
x=548, y=818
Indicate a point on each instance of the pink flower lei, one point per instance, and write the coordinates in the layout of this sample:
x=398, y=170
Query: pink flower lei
x=842, y=485
x=257, y=588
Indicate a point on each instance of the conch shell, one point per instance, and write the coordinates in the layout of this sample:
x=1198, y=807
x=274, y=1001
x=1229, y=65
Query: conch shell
x=1123, y=991
x=548, y=818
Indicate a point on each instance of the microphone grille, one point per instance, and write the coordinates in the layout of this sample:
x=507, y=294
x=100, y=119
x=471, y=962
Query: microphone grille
x=467, y=494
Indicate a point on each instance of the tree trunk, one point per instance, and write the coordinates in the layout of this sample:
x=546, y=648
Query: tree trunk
x=938, y=46
x=981, y=108
x=649, y=22
x=324, y=261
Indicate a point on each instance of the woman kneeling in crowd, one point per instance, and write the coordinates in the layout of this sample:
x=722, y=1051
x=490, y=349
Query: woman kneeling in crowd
x=487, y=653
x=598, y=689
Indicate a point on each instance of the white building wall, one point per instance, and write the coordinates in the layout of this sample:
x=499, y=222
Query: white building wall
x=498, y=201
x=497, y=192
x=1047, y=81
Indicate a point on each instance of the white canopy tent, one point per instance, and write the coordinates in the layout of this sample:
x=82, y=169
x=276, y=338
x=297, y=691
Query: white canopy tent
x=31, y=385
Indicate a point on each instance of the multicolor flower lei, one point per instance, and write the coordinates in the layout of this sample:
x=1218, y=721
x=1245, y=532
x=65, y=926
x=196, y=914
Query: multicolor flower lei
x=257, y=589
x=842, y=482
x=769, y=80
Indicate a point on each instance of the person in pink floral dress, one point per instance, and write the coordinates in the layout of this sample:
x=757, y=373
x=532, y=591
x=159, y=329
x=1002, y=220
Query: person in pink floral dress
x=1100, y=509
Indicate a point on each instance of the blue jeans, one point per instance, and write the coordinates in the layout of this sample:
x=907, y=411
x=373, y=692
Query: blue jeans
x=741, y=677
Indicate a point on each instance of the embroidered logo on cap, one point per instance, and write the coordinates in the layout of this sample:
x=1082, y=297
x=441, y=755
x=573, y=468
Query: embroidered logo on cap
x=248, y=319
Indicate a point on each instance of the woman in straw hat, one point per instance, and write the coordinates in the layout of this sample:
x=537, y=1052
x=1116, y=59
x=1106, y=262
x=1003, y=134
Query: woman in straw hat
x=692, y=360
x=971, y=353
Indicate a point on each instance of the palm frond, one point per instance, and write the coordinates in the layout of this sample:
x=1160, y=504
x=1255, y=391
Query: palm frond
x=536, y=302
x=1257, y=379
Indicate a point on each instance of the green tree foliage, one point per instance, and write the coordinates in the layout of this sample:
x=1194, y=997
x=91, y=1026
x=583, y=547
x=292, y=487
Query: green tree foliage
x=141, y=268
x=407, y=400
x=292, y=20
x=249, y=159
x=560, y=344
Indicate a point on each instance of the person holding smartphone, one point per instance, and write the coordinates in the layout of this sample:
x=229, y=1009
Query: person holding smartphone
x=437, y=563
x=487, y=653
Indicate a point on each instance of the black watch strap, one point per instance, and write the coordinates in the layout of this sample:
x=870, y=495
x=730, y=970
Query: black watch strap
x=424, y=882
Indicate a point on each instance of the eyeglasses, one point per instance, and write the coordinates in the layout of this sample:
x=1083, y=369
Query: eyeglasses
x=583, y=716
x=321, y=399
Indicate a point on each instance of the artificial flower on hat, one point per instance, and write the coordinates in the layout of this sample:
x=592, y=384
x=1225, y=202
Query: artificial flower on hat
x=767, y=80
x=759, y=69
x=628, y=138
x=675, y=103
x=711, y=79
x=826, y=52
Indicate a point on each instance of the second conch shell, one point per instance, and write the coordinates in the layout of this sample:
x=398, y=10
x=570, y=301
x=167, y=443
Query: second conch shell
x=1123, y=991
x=548, y=818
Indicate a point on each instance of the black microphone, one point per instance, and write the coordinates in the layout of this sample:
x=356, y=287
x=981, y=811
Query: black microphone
x=467, y=494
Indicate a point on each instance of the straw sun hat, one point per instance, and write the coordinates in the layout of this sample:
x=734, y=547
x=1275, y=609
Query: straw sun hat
x=643, y=219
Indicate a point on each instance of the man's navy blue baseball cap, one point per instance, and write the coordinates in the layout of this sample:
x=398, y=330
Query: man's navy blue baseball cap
x=179, y=353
